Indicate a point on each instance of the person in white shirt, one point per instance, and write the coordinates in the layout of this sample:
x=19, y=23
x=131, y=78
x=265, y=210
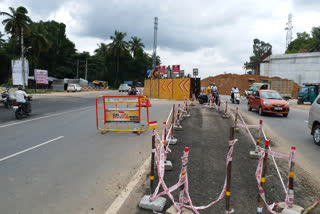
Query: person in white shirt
x=21, y=97
x=234, y=90
x=214, y=88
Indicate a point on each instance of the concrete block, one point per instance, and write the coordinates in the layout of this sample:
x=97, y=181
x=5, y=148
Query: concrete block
x=294, y=210
x=157, y=204
x=254, y=155
x=168, y=165
x=236, y=130
x=225, y=116
x=173, y=141
x=177, y=127
x=187, y=115
x=172, y=210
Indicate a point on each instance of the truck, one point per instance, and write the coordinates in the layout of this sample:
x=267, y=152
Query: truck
x=283, y=86
x=308, y=93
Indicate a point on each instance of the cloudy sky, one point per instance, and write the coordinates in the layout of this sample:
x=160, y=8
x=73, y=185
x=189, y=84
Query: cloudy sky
x=213, y=35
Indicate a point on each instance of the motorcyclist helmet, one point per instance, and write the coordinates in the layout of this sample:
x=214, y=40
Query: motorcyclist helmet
x=20, y=88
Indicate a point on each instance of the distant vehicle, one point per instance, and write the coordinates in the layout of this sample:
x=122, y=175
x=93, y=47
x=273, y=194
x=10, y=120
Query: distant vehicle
x=308, y=93
x=124, y=88
x=98, y=83
x=283, y=86
x=139, y=84
x=268, y=101
x=73, y=87
x=314, y=120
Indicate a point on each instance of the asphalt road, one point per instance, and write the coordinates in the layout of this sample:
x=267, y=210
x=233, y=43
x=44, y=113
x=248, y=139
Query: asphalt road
x=293, y=130
x=55, y=161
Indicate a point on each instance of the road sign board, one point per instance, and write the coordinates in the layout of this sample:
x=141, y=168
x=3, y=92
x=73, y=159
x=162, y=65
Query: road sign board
x=176, y=69
x=195, y=72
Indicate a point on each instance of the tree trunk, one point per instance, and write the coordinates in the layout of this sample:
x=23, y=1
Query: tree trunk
x=117, y=74
x=22, y=57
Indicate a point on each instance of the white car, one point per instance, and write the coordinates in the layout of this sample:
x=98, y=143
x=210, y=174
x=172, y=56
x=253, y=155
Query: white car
x=314, y=120
x=73, y=87
x=124, y=88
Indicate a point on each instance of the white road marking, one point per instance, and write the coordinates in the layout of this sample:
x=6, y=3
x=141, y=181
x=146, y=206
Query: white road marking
x=39, y=118
x=34, y=147
x=122, y=197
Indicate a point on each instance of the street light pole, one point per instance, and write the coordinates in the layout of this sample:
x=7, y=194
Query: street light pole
x=155, y=43
x=22, y=57
x=77, y=69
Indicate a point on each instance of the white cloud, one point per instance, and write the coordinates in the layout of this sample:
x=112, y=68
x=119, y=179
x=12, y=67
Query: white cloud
x=215, y=36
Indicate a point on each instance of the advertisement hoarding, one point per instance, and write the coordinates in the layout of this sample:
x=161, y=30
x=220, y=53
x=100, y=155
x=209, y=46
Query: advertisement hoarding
x=126, y=116
x=17, y=71
x=41, y=76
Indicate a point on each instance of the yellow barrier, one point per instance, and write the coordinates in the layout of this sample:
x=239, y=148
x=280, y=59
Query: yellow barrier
x=181, y=88
x=122, y=113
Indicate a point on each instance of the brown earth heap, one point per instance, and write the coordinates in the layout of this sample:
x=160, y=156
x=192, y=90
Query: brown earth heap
x=225, y=82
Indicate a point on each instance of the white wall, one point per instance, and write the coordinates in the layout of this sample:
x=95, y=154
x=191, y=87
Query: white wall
x=301, y=68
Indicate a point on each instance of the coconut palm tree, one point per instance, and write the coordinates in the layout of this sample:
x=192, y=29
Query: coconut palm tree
x=2, y=41
x=118, y=47
x=17, y=24
x=135, y=44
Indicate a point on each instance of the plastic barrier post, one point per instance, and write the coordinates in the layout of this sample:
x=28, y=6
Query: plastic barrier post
x=289, y=203
x=263, y=176
x=226, y=110
x=236, y=129
x=259, y=135
x=228, y=195
x=153, y=151
x=182, y=187
x=172, y=121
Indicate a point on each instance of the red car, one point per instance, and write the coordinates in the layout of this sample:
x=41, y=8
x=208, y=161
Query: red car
x=268, y=101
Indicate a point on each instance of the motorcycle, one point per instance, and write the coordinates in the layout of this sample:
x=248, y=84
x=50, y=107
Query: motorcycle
x=203, y=98
x=236, y=98
x=6, y=98
x=20, y=110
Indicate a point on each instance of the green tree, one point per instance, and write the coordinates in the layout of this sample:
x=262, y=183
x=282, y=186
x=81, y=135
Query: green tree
x=303, y=41
x=118, y=47
x=315, y=43
x=135, y=44
x=260, y=49
x=2, y=41
x=17, y=24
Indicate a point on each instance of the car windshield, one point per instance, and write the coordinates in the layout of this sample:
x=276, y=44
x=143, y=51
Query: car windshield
x=123, y=85
x=270, y=95
x=304, y=89
x=254, y=87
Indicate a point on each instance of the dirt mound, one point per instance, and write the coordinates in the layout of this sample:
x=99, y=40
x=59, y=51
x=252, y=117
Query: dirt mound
x=225, y=82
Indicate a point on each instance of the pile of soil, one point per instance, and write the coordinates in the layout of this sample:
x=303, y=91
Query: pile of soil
x=225, y=82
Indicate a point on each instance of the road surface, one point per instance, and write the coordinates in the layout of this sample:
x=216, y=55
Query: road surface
x=57, y=162
x=293, y=130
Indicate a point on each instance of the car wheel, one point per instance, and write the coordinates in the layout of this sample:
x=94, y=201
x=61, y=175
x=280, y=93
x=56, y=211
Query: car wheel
x=300, y=102
x=285, y=115
x=201, y=101
x=249, y=107
x=238, y=102
x=316, y=135
x=261, y=111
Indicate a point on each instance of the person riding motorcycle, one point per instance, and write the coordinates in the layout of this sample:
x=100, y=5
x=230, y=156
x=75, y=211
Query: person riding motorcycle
x=21, y=98
x=208, y=91
x=214, y=88
x=234, y=90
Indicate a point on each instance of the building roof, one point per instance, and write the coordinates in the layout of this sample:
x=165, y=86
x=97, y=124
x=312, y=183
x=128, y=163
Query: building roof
x=290, y=56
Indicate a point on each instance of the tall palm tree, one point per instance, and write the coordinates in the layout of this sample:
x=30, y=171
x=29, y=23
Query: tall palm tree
x=38, y=40
x=2, y=41
x=118, y=47
x=135, y=44
x=17, y=24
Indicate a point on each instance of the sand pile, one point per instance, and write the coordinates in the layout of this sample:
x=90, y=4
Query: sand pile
x=225, y=82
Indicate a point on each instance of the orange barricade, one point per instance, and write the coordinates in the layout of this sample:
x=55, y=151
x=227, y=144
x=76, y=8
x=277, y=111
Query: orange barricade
x=122, y=113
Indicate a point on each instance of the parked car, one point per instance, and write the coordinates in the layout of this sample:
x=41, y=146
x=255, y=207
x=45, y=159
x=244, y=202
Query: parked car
x=73, y=87
x=314, y=120
x=268, y=101
x=124, y=88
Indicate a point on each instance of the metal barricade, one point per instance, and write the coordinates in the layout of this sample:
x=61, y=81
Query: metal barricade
x=122, y=113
